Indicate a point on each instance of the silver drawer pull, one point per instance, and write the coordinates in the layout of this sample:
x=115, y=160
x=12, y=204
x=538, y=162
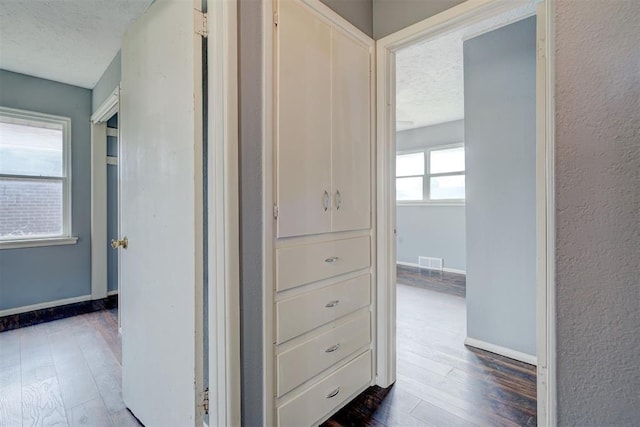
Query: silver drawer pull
x=334, y=393
x=332, y=303
x=332, y=348
x=332, y=259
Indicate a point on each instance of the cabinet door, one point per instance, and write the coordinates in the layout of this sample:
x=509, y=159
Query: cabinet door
x=351, y=147
x=304, y=122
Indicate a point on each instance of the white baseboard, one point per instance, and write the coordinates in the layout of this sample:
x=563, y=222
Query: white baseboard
x=407, y=264
x=112, y=293
x=502, y=351
x=448, y=270
x=47, y=304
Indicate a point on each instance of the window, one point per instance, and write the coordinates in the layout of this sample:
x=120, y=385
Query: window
x=432, y=175
x=35, y=183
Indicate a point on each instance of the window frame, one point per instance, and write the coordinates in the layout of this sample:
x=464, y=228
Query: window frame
x=426, y=177
x=18, y=116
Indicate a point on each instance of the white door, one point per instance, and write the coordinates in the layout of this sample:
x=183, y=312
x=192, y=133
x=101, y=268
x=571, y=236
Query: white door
x=304, y=122
x=351, y=133
x=161, y=214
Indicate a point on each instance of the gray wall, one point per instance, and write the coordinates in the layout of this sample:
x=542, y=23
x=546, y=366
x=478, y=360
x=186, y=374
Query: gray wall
x=250, y=156
x=500, y=135
x=358, y=12
x=36, y=275
x=437, y=231
x=390, y=16
x=597, y=212
x=107, y=83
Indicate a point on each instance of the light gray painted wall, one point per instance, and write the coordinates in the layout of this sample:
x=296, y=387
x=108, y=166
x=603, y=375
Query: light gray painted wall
x=37, y=275
x=107, y=83
x=443, y=133
x=358, y=12
x=597, y=212
x=390, y=16
x=500, y=135
x=250, y=156
x=437, y=231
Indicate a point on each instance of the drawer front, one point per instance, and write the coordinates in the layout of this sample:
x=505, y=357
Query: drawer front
x=301, y=363
x=327, y=395
x=299, y=265
x=305, y=312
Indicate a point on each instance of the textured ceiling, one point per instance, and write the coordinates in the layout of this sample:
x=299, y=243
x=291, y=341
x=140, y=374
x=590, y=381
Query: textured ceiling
x=429, y=75
x=69, y=41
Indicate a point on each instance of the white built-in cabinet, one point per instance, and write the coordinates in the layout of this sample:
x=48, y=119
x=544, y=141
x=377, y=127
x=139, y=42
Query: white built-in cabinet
x=323, y=125
x=322, y=299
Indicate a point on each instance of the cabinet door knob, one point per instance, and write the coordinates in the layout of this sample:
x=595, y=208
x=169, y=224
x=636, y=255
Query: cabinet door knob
x=333, y=393
x=332, y=348
x=331, y=260
x=325, y=200
x=332, y=303
x=338, y=199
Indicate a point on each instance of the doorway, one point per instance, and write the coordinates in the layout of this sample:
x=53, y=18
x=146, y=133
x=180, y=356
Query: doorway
x=391, y=232
x=113, y=207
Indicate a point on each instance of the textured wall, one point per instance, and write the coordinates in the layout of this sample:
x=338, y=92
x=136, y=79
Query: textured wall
x=500, y=137
x=358, y=12
x=437, y=231
x=390, y=16
x=107, y=83
x=35, y=275
x=598, y=211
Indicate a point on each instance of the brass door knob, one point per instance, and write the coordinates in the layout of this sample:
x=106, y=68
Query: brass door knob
x=122, y=243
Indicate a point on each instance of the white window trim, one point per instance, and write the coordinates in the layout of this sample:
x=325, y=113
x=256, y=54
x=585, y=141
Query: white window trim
x=65, y=238
x=426, y=201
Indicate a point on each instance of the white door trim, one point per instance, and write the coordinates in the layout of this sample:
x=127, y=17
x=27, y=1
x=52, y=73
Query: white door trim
x=223, y=215
x=464, y=14
x=99, y=193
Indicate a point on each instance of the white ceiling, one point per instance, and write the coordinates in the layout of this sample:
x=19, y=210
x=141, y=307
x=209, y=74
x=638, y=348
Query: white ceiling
x=429, y=75
x=69, y=41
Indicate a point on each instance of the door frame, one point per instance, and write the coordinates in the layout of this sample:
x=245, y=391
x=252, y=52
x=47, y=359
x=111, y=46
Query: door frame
x=466, y=13
x=223, y=327
x=99, y=193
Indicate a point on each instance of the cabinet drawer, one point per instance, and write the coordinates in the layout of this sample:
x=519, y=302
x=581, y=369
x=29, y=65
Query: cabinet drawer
x=305, y=264
x=302, y=362
x=305, y=312
x=327, y=395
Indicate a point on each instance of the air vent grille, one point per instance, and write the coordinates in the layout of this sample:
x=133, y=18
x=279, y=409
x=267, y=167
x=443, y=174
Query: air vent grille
x=430, y=263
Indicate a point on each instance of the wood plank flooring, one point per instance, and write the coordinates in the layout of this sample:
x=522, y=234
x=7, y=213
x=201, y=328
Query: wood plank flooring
x=65, y=372
x=441, y=382
x=68, y=372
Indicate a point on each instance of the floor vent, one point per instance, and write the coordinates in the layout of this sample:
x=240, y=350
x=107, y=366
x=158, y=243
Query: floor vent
x=430, y=263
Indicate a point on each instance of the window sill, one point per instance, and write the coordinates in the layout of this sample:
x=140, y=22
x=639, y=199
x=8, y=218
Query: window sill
x=37, y=243
x=433, y=204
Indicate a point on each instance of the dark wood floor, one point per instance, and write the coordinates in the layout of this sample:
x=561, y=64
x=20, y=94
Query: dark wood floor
x=65, y=372
x=441, y=382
